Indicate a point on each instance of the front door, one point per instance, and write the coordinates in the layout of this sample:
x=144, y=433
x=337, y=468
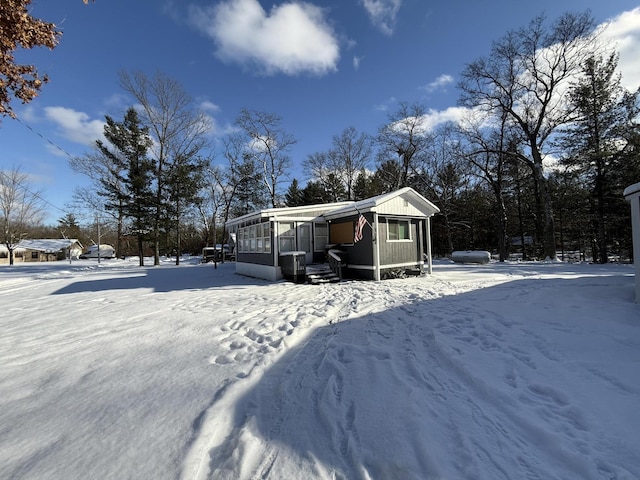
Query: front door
x=304, y=241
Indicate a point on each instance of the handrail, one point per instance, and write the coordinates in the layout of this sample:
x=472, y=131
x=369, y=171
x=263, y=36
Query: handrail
x=333, y=254
x=336, y=262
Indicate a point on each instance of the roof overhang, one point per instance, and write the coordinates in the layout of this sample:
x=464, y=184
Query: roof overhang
x=403, y=202
x=303, y=213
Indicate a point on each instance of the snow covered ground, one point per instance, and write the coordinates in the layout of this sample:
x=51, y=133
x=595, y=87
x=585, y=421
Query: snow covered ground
x=498, y=371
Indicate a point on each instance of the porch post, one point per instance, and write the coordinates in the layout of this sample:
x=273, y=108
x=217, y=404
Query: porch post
x=421, y=232
x=376, y=245
x=429, y=267
x=275, y=242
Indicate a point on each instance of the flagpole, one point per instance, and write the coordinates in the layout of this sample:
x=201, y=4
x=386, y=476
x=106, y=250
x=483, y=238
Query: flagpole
x=373, y=230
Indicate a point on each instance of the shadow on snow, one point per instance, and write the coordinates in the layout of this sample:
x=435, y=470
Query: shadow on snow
x=471, y=385
x=166, y=279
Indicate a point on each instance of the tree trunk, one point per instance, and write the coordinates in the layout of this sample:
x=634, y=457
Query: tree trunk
x=140, y=249
x=502, y=229
x=543, y=199
x=601, y=236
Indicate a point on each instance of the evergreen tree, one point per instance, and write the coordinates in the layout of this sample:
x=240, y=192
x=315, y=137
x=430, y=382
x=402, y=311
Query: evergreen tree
x=597, y=141
x=129, y=189
x=294, y=196
x=69, y=227
x=334, y=188
x=314, y=194
x=184, y=184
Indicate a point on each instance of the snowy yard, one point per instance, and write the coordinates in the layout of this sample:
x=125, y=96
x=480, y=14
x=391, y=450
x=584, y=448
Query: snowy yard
x=499, y=371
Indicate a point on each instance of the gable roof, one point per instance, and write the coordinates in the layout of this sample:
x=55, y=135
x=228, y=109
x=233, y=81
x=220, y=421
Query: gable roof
x=49, y=245
x=403, y=202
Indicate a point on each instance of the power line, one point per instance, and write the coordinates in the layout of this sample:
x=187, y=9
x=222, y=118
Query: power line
x=43, y=137
x=58, y=147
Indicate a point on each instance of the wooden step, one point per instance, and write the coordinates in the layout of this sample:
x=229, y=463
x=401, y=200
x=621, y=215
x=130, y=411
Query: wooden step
x=321, y=275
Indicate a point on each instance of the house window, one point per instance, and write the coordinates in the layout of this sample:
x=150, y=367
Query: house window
x=254, y=238
x=35, y=255
x=266, y=237
x=342, y=232
x=287, y=237
x=239, y=238
x=321, y=236
x=398, y=230
x=263, y=237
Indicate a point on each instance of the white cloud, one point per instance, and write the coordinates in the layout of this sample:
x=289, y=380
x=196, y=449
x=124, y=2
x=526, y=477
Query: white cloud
x=383, y=13
x=356, y=62
x=117, y=101
x=440, y=82
x=293, y=38
x=433, y=118
x=386, y=105
x=623, y=33
x=208, y=106
x=76, y=126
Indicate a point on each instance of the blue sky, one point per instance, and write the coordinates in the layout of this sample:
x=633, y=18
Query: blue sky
x=321, y=66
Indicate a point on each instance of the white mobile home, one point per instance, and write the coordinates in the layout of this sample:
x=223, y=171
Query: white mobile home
x=394, y=238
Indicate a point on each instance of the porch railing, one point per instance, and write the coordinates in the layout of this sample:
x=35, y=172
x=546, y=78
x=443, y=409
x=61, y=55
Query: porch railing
x=337, y=260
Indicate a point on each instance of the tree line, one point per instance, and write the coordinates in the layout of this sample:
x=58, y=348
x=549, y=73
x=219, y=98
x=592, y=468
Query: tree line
x=536, y=165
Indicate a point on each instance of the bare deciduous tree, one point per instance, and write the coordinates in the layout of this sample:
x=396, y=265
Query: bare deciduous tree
x=523, y=79
x=348, y=157
x=403, y=141
x=179, y=131
x=269, y=146
x=20, y=208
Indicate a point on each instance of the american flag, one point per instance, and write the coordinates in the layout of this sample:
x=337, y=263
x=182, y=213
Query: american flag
x=359, y=227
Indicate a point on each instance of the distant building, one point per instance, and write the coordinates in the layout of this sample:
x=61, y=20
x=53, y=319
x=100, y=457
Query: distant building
x=42, y=250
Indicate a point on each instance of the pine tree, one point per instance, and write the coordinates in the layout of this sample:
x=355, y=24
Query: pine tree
x=184, y=182
x=129, y=189
x=294, y=196
x=597, y=141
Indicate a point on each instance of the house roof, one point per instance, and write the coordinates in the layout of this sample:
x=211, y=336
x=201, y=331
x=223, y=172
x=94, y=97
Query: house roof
x=49, y=245
x=403, y=202
x=305, y=211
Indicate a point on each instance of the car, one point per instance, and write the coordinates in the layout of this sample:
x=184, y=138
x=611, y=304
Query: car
x=102, y=251
x=210, y=254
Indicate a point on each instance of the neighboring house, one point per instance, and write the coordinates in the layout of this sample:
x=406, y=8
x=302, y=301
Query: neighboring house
x=42, y=250
x=632, y=194
x=395, y=238
x=18, y=254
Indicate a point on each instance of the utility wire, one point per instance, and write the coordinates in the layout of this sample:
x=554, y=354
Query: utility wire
x=43, y=137
x=58, y=147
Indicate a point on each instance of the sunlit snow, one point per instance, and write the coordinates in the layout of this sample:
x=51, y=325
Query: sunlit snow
x=498, y=371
